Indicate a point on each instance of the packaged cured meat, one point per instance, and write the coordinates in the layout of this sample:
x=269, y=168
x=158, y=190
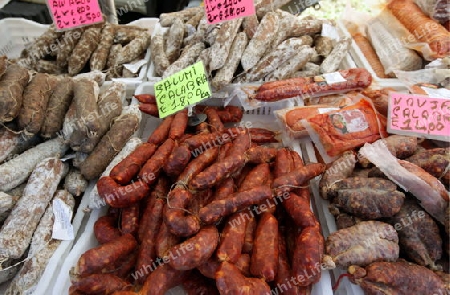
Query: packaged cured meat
x=338, y=131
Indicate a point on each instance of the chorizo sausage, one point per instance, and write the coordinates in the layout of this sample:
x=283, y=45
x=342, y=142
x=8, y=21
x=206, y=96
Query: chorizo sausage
x=105, y=229
x=175, y=216
x=152, y=168
x=163, y=279
x=161, y=133
x=121, y=196
x=130, y=219
x=232, y=239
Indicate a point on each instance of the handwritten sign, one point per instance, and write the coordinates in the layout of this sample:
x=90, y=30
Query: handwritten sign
x=222, y=10
x=69, y=14
x=184, y=88
x=419, y=115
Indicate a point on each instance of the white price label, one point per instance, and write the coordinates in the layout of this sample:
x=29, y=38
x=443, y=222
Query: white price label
x=62, y=227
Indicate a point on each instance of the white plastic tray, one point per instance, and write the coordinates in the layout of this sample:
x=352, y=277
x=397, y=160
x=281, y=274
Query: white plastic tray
x=263, y=117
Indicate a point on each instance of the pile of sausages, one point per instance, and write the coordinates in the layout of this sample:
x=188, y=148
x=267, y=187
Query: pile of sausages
x=233, y=218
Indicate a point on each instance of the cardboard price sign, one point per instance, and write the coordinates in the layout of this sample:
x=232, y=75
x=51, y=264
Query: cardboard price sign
x=182, y=89
x=222, y=10
x=68, y=14
x=419, y=115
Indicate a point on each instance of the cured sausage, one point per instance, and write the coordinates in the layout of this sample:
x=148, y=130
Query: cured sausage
x=232, y=239
x=178, y=222
x=151, y=169
x=121, y=196
x=130, y=219
x=105, y=230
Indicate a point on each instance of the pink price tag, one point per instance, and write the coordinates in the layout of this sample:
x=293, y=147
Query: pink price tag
x=69, y=14
x=222, y=10
x=418, y=115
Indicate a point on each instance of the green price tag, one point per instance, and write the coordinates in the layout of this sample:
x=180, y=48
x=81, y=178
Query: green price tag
x=184, y=88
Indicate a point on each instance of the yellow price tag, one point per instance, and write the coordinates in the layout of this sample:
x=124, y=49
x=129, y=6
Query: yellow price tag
x=181, y=89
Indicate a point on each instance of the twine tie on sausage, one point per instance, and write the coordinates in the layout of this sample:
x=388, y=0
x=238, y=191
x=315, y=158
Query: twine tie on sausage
x=336, y=286
x=168, y=202
x=4, y=259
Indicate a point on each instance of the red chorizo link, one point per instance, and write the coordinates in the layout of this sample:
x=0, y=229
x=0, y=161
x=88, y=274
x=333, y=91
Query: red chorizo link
x=147, y=249
x=250, y=230
x=283, y=162
x=229, y=280
x=198, y=164
x=264, y=259
x=121, y=196
x=241, y=200
x=214, y=119
x=224, y=190
x=223, y=169
x=297, y=177
x=298, y=208
x=232, y=239
x=129, y=167
x=262, y=136
x=202, y=128
x=197, y=284
x=259, y=175
x=239, y=178
x=260, y=154
x=283, y=277
x=308, y=253
x=105, y=229
x=178, y=222
x=130, y=220
x=124, y=267
x=297, y=159
x=161, y=133
x=216, y=138
x=100, y=284
x=165, y=240
x=179, y=125
x=162, y=280
x=150, y=109
x=195, y=250
x=145, y=98
x=243, y=263
x=210, y=267
x=228, y=114
x=152, y=168
x=96, y=259
x=199, y=200
x=177, y=160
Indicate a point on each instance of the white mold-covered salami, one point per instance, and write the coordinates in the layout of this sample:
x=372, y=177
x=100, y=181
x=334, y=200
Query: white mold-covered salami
x=205, y=58
x=42, y=248
x=7, y=202
x=292, y=65
x=223, y=41
x=134, y=49
x=71, y=38
x=158, y=55
x=100, y=55
x=167, y=19
x=333, y=60
x=17, y=170
x=250, y=24
x=174, y=40
x=224, y=76
x=95, y=200
x=187, y=58
x=75, y=183
x=83, y=50
x=261, y=41
x=18, y=229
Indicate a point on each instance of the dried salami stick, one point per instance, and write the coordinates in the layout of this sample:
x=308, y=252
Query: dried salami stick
x=114, y=70
x=100, y=55
x=111, y=144
x=264, y=259
x=249, y=25
x=238, y=201
x=262, y=40
x=188, y=56
x=71, y=39
x=147, y=248
x=95, y=259
x=35, y=100
x=105, y=229
x=174, y=40
x=300, y=27
x=41, y=44
x=297, y=62
x=109, y=108
x=152, y=168
x=195, y=250
x=83, y=50
x=223, y=42
x=17, y=170
x=134, y=49
x=167, y=19
x=3, y=65
x=75, y=183
x=175, y=217
x=41, y=250
x=124, y=34
x=158, y=56
x=225, y=74
x=17, y=231
x=333, y=60
x=12, y=85
x=58, y=105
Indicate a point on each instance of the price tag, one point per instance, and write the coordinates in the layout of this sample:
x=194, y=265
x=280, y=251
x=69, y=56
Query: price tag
x=62, y=226
x=68, y=14
x=222, y=10
x=184, y=88
x=419, y=115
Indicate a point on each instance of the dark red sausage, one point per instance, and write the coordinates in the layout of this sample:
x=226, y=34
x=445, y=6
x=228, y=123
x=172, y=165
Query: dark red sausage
x=161, y=133
x=152, y=168
x=178, y=221
x=121, y=196
x=232, y=238
x=130, y=220
x=105, y=229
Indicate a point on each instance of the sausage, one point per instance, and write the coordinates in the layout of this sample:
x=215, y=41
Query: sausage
x=256, y=177
x=283, y=277
x=160, y=134
x=213, y=119
x=165, y=240
x=152, y=168
x=223, y=42
x=17, y=230
x=238, y=201
x=96, y=259
x=224, y=190
x=197, y=284
x=130, y=219
x=129, y=167
x=264, y=259
x=105, y=230
x=232, y=239
x=179, y=124
x=195, y=250
x=150, y=109
x=298, y=208
x=221, y=170
x=243, y=263
x=333, y=60
x=297, y=177
x=260, y=154
x=163, y=279
x=175, y=216
x=12, y=85
x=339, y=170
x=174, y=40
x=121, y=196
x=261, y=135
x=145, y=98
x=198, y=164
x=177, y=161
x=188, y=56
x=250, y=230
x=210, y=267
x=147, y=250
x=100, y=284
x=273, y=91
